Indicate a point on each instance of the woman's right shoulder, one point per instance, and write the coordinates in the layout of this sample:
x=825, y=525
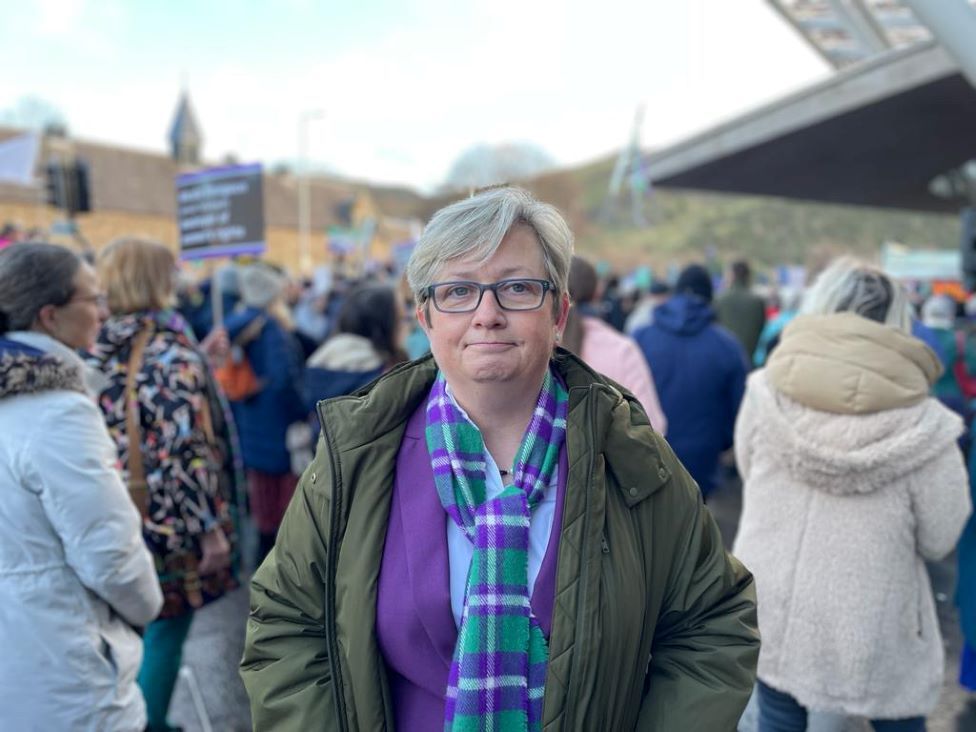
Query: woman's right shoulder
x=63, y=418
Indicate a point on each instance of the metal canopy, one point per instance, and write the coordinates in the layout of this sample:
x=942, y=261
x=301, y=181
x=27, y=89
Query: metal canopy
x=874, y=135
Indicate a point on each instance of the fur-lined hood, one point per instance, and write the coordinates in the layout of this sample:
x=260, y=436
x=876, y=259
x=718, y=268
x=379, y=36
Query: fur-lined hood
x=848, y=364
x=844, y=403
x=31, y=363
x=346, y=352
x=849, y=453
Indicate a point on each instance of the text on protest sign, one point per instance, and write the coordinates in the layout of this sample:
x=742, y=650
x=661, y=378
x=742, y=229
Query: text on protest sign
x=221, y=212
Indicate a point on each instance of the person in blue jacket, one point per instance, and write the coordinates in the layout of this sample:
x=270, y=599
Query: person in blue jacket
x=699, y=370
x=966, y=583
x=262, y=327
x=194, y=301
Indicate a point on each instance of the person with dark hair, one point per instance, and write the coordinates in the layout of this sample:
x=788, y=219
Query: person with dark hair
x=699, y=370
x=366, y=341
x=613, y=305
x=605, y=349
x=740, y=310
x=852, y=480
x=75, y=575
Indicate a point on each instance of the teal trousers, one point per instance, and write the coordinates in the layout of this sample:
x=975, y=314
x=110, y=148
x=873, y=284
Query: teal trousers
x=162, y=655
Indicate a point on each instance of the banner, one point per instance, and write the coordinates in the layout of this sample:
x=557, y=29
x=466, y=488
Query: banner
x=905, y=263
x=18, y=156
x=342, y=240
x=221, y=212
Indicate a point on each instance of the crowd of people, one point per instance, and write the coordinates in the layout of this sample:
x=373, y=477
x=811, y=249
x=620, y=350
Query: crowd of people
x=503, y=407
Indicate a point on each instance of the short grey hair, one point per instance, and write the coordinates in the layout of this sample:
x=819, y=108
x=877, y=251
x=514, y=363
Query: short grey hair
x=33, y=275
x=850, y=285
x=475, y=227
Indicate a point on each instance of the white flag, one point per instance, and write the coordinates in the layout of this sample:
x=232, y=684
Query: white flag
x=17, y=158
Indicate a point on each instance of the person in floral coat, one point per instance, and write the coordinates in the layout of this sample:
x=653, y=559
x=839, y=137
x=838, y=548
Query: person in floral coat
x=186, y=465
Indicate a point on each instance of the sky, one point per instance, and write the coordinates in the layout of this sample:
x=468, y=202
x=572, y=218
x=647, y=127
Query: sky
x=394, y=92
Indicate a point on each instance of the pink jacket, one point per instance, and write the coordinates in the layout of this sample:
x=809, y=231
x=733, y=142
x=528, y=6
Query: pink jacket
x=619, y=357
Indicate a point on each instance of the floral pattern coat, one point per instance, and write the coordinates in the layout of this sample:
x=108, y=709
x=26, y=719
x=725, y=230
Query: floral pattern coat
x=188, y=447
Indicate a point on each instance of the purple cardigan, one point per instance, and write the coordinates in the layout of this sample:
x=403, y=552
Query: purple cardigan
x=414, y=623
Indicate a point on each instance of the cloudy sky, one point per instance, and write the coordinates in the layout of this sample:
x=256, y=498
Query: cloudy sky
x=403, y=87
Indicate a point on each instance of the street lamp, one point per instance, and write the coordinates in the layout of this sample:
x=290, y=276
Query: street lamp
x=304, y=207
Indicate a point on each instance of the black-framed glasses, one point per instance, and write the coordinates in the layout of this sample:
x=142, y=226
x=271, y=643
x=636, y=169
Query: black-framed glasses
x=464, y=297
x=100, y=300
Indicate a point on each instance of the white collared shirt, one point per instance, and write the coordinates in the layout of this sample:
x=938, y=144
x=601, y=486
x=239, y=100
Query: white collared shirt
x=460, y=551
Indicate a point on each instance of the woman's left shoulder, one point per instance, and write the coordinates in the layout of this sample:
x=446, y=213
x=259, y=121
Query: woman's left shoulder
x=935, y=418
x=178, y=343
x=177, y=354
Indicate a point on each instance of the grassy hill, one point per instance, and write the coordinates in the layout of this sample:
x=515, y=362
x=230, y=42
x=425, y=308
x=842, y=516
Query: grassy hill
x=683, y=225
x=769, y=231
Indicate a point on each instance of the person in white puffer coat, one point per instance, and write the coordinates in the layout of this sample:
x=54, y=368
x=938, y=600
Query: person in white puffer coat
x=75, y=575
x=852, y=479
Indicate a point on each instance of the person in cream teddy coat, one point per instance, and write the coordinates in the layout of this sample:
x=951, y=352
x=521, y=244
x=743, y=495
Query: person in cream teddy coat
x=851, y=481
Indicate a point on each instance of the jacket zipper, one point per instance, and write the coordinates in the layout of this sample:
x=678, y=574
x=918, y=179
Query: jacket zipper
x=330, y=579
x=584, y=574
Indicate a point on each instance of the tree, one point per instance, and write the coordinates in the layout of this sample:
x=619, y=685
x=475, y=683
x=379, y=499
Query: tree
x=34, y=113
x=485, y=165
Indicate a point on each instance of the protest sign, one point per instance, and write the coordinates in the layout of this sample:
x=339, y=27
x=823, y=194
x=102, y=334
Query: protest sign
x=221, y=212
x=341, y=240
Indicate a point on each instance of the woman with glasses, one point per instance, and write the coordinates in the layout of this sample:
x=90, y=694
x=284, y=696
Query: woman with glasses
x=74, y=573
x=168, y=420
x=494, y=537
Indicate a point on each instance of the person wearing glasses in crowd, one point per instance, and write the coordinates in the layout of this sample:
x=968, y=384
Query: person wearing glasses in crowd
x=414, y=584
x=75, y=575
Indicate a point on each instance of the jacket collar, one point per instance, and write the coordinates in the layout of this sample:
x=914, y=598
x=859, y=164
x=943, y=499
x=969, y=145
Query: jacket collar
x=346, y=352
x=847, y=364
x=32, y=362
x=118, y=332
x=614, y=423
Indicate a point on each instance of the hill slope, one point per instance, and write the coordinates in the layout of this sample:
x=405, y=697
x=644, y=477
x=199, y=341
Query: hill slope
x=684, y=224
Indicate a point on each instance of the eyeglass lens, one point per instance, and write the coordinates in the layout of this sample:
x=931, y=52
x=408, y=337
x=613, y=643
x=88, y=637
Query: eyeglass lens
x=511, y=295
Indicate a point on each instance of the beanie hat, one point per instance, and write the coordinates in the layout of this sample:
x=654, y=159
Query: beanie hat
x=260, y=285
x=694, y=279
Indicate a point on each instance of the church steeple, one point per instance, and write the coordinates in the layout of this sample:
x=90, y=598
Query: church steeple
x=185, y=139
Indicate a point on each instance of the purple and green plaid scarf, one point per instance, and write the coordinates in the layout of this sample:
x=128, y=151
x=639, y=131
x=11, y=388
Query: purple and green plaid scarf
x=498, y=673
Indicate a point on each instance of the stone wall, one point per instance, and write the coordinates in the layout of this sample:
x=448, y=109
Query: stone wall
x=101, y=227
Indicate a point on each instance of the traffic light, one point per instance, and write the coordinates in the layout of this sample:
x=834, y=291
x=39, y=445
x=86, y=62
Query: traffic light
x=82, y=201
x=55, y=185
x=67, y=186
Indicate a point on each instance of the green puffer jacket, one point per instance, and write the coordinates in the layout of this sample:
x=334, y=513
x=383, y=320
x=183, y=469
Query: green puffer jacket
x=654, y=624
